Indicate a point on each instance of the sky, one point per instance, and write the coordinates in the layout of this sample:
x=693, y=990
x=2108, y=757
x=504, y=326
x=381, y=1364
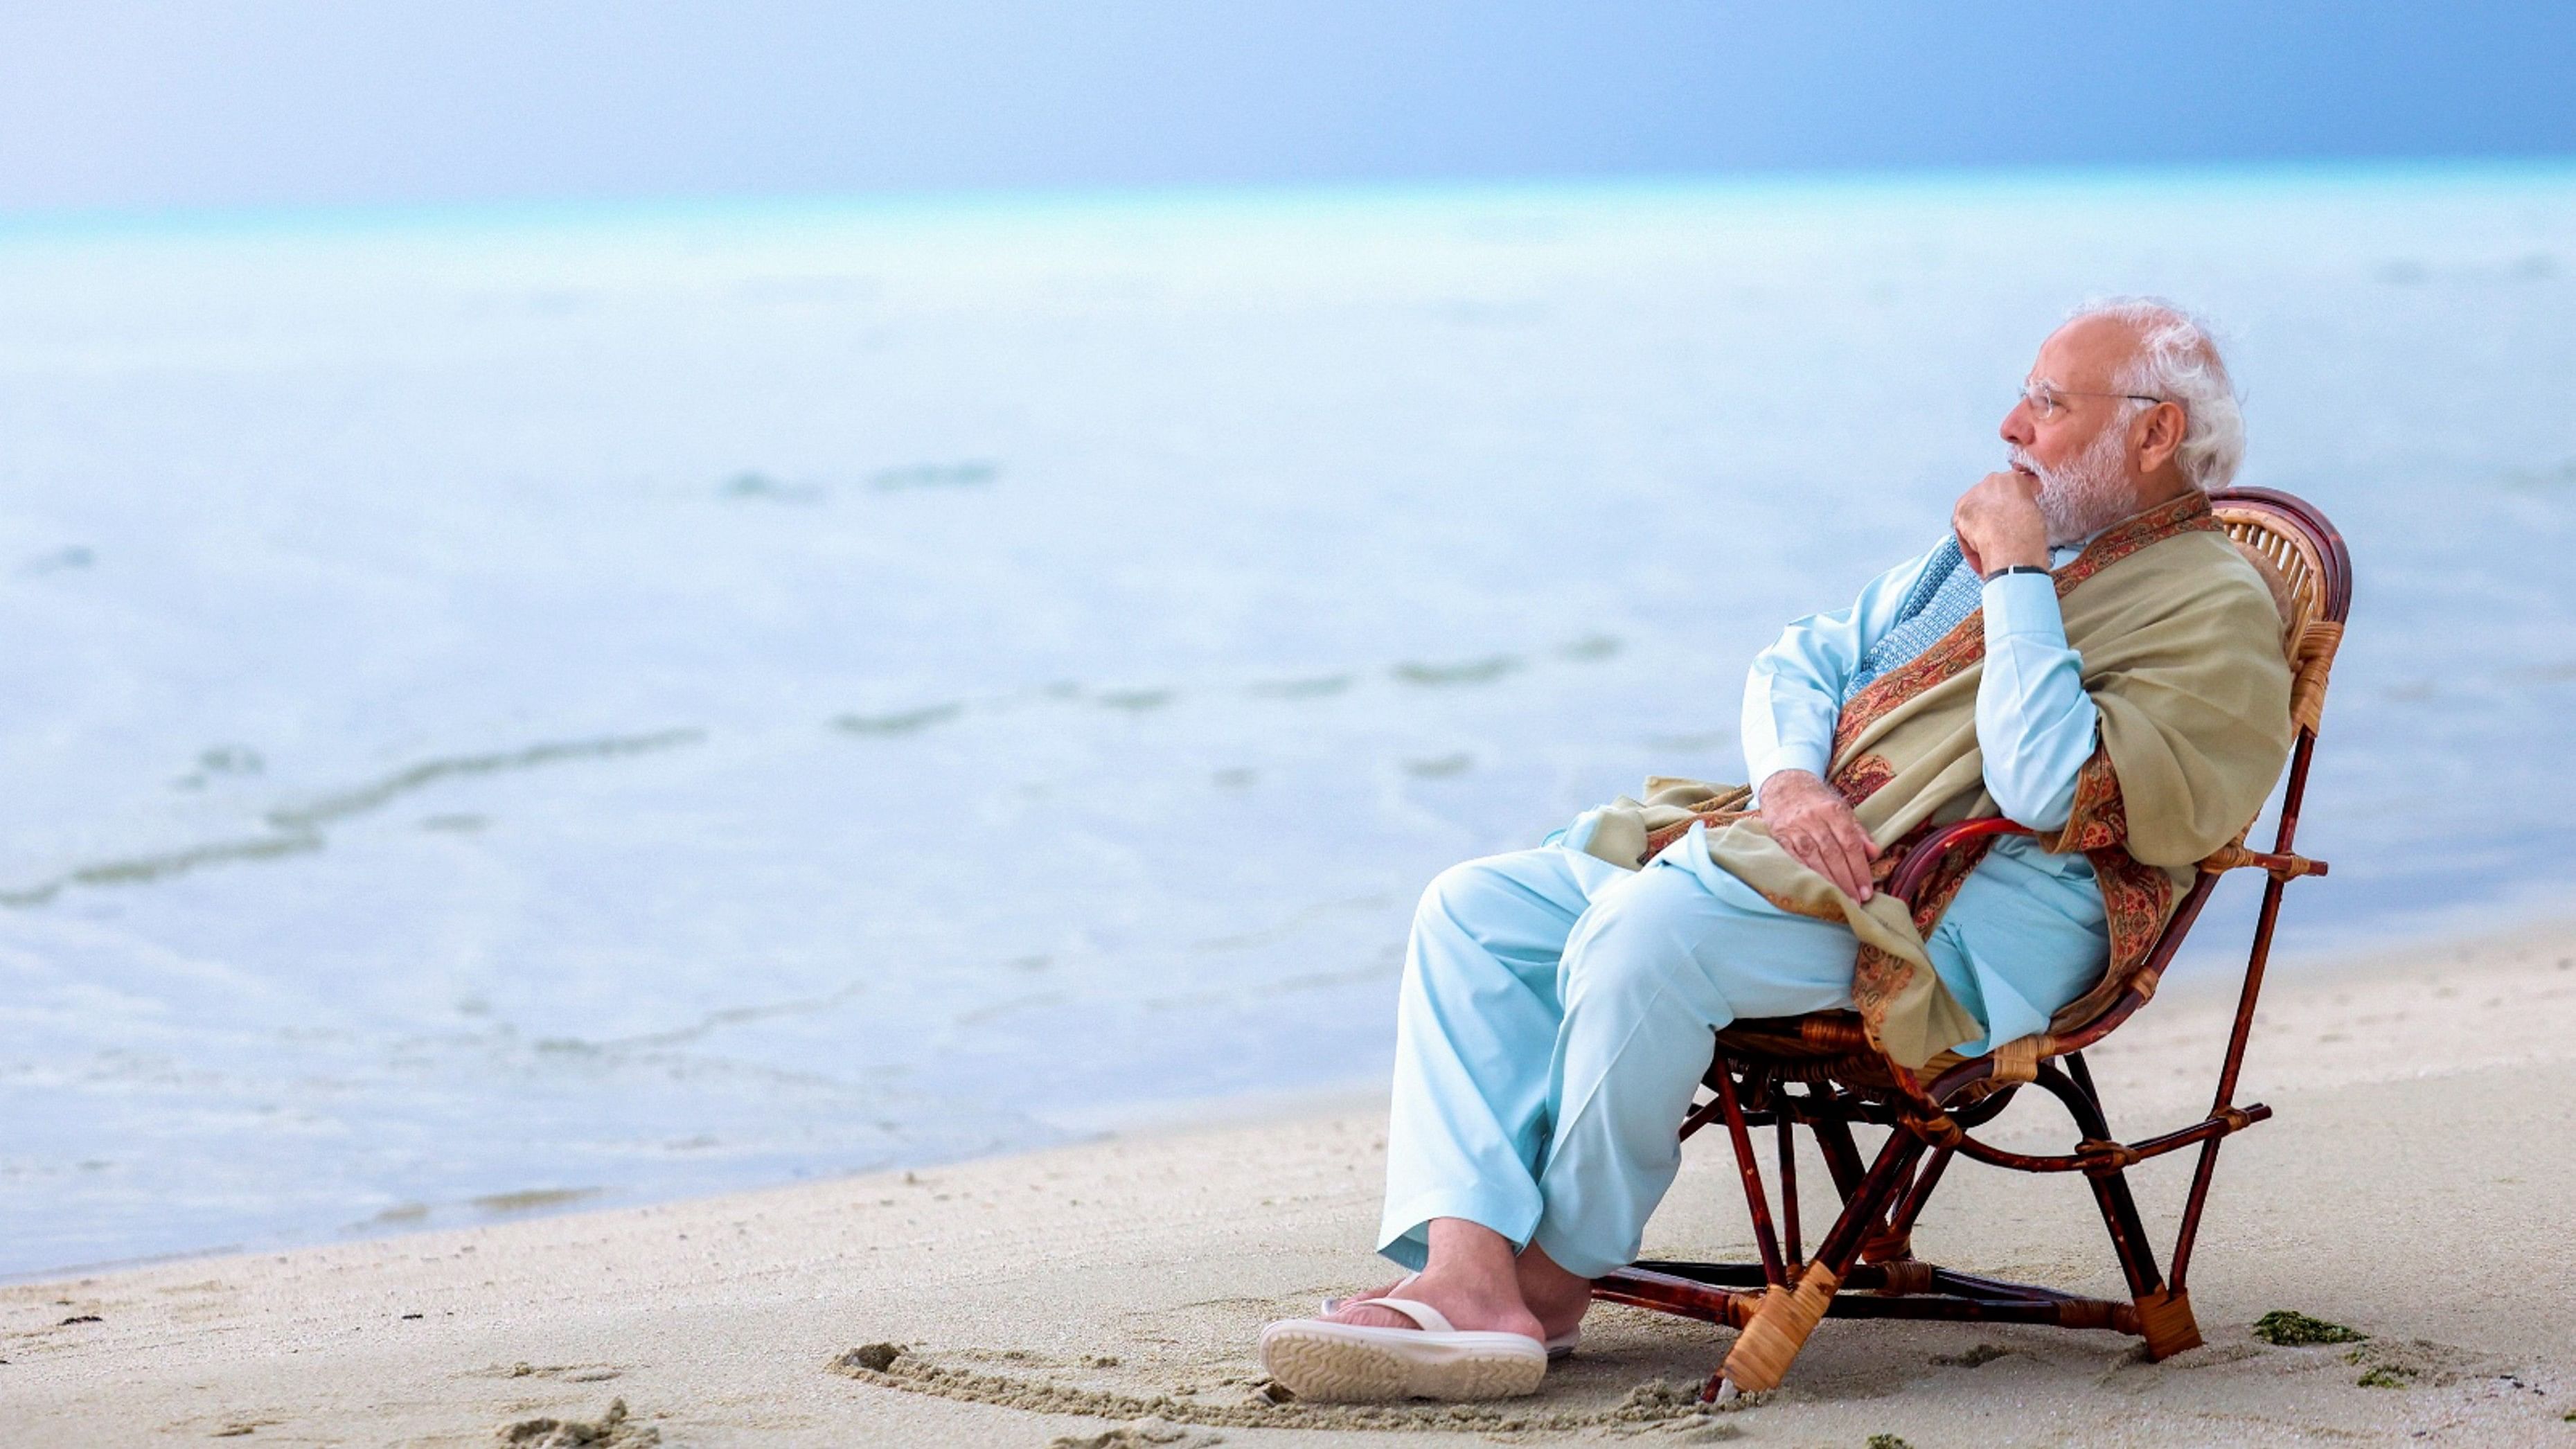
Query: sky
x=143, y=105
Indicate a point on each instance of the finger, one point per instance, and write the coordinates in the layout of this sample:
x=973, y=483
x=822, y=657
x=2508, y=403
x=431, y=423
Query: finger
x=1827, y=857
x=1855, y=865
x=1794, y=841
x=1851, y=847
x=1855, y=878
x=1821, y=846
x=1811, y=853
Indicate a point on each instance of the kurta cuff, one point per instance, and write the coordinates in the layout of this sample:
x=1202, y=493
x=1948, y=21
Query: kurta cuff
x=1789, y=756
x=2024, y=606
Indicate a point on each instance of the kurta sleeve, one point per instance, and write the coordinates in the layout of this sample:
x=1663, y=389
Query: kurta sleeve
x=1794, y=694
x=2035, y=723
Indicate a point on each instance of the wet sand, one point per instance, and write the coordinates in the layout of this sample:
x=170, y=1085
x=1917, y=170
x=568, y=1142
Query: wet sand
x=2414, y=1185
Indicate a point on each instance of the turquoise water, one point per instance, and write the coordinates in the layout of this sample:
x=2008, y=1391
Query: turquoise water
x=517, y=710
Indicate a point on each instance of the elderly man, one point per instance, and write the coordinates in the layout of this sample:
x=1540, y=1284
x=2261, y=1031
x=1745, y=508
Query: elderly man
x=2083, y=653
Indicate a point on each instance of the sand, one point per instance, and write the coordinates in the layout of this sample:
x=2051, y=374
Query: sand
x=2415, y=1185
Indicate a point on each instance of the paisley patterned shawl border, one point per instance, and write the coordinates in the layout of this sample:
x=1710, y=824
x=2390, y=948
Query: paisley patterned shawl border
x=2136, y=897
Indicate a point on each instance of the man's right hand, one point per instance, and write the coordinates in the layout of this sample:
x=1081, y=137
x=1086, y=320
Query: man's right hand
x=1813, y=822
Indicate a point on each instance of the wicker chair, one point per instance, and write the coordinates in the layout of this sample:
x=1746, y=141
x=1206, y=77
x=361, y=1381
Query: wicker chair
x=1820, y=1072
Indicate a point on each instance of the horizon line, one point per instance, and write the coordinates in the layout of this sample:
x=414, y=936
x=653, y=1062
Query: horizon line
x=1785, y=184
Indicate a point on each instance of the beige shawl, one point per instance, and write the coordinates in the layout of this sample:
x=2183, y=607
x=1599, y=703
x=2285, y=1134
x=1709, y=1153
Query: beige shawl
x=2180, y=641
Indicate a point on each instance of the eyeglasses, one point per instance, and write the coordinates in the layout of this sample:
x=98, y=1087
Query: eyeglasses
x=2045, y=400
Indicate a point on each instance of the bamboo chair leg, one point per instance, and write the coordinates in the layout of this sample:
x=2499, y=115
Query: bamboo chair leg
x=1885, y=1241
x=1927, y=1177
x=2234, y=1061
x=1788, y=1313
x=2164, y=1314
x=1741, y=1138
x=1842, y=1155
x=1790, y=1248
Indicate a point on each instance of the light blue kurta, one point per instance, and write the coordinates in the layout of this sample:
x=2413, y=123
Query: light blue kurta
x=1556, y=1009
x=2035, y=727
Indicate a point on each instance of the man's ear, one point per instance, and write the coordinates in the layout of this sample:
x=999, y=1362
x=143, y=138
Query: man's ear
x=2160, y=435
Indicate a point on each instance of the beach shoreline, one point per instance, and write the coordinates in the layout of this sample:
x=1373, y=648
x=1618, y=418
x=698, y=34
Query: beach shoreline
x=2412, y=1186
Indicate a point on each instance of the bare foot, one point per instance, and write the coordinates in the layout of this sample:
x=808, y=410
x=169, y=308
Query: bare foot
x=1390, y=1289
x=1557, y=1298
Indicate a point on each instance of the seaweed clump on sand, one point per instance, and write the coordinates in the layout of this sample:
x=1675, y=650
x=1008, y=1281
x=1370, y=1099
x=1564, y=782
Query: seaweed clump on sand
x=2291, y=1330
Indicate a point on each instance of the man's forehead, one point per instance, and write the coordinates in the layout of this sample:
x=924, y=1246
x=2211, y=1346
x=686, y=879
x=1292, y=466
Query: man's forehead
x=2084, y=351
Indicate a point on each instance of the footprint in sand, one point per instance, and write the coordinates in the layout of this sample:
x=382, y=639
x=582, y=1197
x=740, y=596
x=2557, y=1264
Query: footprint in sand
x=612, y=1430
x=1157, y=1433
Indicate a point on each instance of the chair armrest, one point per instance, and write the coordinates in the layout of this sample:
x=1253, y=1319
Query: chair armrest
x=1919, y=863
x=2279, y=866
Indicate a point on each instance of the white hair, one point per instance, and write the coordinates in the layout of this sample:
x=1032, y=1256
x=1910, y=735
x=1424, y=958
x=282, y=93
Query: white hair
x=2178, y=360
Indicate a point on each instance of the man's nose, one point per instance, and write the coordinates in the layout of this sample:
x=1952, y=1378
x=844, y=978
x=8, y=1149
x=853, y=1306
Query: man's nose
x=2017, y=429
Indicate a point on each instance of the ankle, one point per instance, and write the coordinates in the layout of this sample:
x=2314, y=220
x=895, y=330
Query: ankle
x=1556, y=1297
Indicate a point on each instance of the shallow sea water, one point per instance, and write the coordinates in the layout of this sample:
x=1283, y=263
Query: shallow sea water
x=505, y=712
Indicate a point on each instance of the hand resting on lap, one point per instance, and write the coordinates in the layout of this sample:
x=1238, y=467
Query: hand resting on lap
x=1813, y=822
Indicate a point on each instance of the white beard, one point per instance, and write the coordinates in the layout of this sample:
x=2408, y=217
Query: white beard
x=2088, y=493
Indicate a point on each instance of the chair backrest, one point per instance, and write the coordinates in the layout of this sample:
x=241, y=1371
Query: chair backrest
x=2311, y=568
x=2311, y=574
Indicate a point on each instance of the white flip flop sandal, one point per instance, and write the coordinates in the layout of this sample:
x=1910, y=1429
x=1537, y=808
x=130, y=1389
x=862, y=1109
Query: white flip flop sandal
x=1350, y=1363
x=1559, y=1348
x=1332, y=1306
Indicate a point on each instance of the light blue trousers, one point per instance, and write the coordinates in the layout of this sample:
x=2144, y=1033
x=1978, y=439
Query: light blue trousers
x=1556, y=1014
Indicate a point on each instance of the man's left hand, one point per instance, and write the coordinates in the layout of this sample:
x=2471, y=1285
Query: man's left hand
x=1999, y=523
